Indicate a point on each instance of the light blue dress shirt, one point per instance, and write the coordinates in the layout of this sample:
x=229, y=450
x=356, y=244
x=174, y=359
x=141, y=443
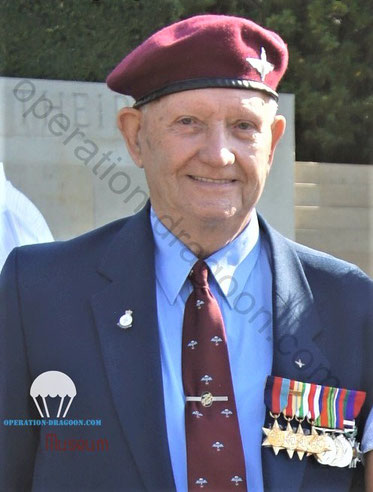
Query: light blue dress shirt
x=241, y=281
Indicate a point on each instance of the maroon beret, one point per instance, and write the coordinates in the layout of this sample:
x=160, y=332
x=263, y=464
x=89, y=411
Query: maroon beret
x=200, y=52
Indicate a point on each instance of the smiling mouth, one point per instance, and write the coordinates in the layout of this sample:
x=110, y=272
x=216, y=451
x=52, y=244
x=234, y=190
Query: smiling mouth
x=210, y=180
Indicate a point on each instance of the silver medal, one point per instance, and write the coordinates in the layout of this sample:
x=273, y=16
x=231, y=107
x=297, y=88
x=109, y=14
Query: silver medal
x=344, y=452
x=327, y=457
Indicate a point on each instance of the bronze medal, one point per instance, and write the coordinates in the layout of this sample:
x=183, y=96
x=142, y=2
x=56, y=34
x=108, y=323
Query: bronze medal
x=290, y=440
x=274, y=437
x=316, y=443
x=302, y=442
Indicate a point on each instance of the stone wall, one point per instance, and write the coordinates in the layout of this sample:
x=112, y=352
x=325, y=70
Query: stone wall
x=334, y=210
x=60, y=146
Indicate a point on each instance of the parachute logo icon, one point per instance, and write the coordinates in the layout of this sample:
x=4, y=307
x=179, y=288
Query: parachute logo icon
x=53, y=383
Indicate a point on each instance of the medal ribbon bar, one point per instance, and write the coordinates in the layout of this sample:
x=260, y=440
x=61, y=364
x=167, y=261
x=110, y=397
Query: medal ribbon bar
x=330, y=410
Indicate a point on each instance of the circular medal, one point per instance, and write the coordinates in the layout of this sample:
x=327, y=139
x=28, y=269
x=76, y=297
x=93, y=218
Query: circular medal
x=344, y=453
x=327, y=457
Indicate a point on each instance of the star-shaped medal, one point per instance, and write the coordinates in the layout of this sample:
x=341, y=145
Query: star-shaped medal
x=274, y=437
x=261, y=65
x=290, y=440
x=302, y=442
x=317, y=443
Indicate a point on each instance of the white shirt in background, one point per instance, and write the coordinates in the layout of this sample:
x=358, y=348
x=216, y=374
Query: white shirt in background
x=20, y=221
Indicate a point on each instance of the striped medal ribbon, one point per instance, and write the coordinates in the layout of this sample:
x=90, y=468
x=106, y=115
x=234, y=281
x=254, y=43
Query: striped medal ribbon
x=276, y=398
x=329, y=410
x=338, y=407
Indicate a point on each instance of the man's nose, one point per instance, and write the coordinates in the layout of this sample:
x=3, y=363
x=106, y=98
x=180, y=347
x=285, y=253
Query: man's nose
x=216, y=149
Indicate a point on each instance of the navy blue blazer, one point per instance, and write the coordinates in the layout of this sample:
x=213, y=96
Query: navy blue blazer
x=59, y=308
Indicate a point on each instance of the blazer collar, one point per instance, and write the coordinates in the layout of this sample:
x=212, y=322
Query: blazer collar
x=132, y=356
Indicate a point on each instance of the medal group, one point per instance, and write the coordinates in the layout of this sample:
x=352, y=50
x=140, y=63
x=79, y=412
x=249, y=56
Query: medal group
x=330, y=413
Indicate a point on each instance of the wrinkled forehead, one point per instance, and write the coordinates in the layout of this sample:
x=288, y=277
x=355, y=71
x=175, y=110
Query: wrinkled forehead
x=213, y=101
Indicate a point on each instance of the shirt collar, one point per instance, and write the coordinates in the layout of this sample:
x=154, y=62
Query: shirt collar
x=230, y=265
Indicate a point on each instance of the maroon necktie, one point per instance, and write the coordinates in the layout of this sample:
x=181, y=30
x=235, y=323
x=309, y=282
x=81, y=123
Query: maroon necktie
x=214, y=449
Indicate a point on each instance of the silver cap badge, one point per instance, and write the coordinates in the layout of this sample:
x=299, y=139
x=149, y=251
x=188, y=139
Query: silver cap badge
x=261, y=65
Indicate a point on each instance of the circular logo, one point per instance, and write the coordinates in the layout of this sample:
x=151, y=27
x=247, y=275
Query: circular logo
x=207, y=399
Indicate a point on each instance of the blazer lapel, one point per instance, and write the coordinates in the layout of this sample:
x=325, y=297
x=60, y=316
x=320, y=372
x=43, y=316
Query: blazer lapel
x=132, y=356
x=296, y=354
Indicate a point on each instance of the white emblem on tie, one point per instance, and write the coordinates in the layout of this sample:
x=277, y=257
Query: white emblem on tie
x=206, y=379
x=192, y=344
x=199, y=303
x=201, y=482
x=216, y=340
x=197, y=414
x=126, y=320
x=218, y=446
x=299, y=363
x=261, y=65
x=226, y=412
x=236, y=479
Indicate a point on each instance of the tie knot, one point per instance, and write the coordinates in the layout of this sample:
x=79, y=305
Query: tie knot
x=199, y=274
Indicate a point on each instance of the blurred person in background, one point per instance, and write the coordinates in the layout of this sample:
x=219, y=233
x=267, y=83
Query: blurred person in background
x=21, y=222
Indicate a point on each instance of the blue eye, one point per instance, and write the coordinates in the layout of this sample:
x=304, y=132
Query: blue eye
x=186, y=121
x=244, y=125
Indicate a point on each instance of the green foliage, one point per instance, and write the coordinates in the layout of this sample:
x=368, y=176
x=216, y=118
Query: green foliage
x=331, y=73
x=330, y=44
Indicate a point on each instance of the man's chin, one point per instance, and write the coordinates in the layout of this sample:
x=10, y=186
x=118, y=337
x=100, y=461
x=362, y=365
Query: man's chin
x=215, y=215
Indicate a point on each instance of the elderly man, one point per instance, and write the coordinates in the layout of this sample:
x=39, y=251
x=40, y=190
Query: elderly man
x=188, y=327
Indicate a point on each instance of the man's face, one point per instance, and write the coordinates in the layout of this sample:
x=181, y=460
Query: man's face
x=207, y=152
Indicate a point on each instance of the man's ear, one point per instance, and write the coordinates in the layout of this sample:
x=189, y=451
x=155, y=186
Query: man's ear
x=129, y=122
x=278, y=129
